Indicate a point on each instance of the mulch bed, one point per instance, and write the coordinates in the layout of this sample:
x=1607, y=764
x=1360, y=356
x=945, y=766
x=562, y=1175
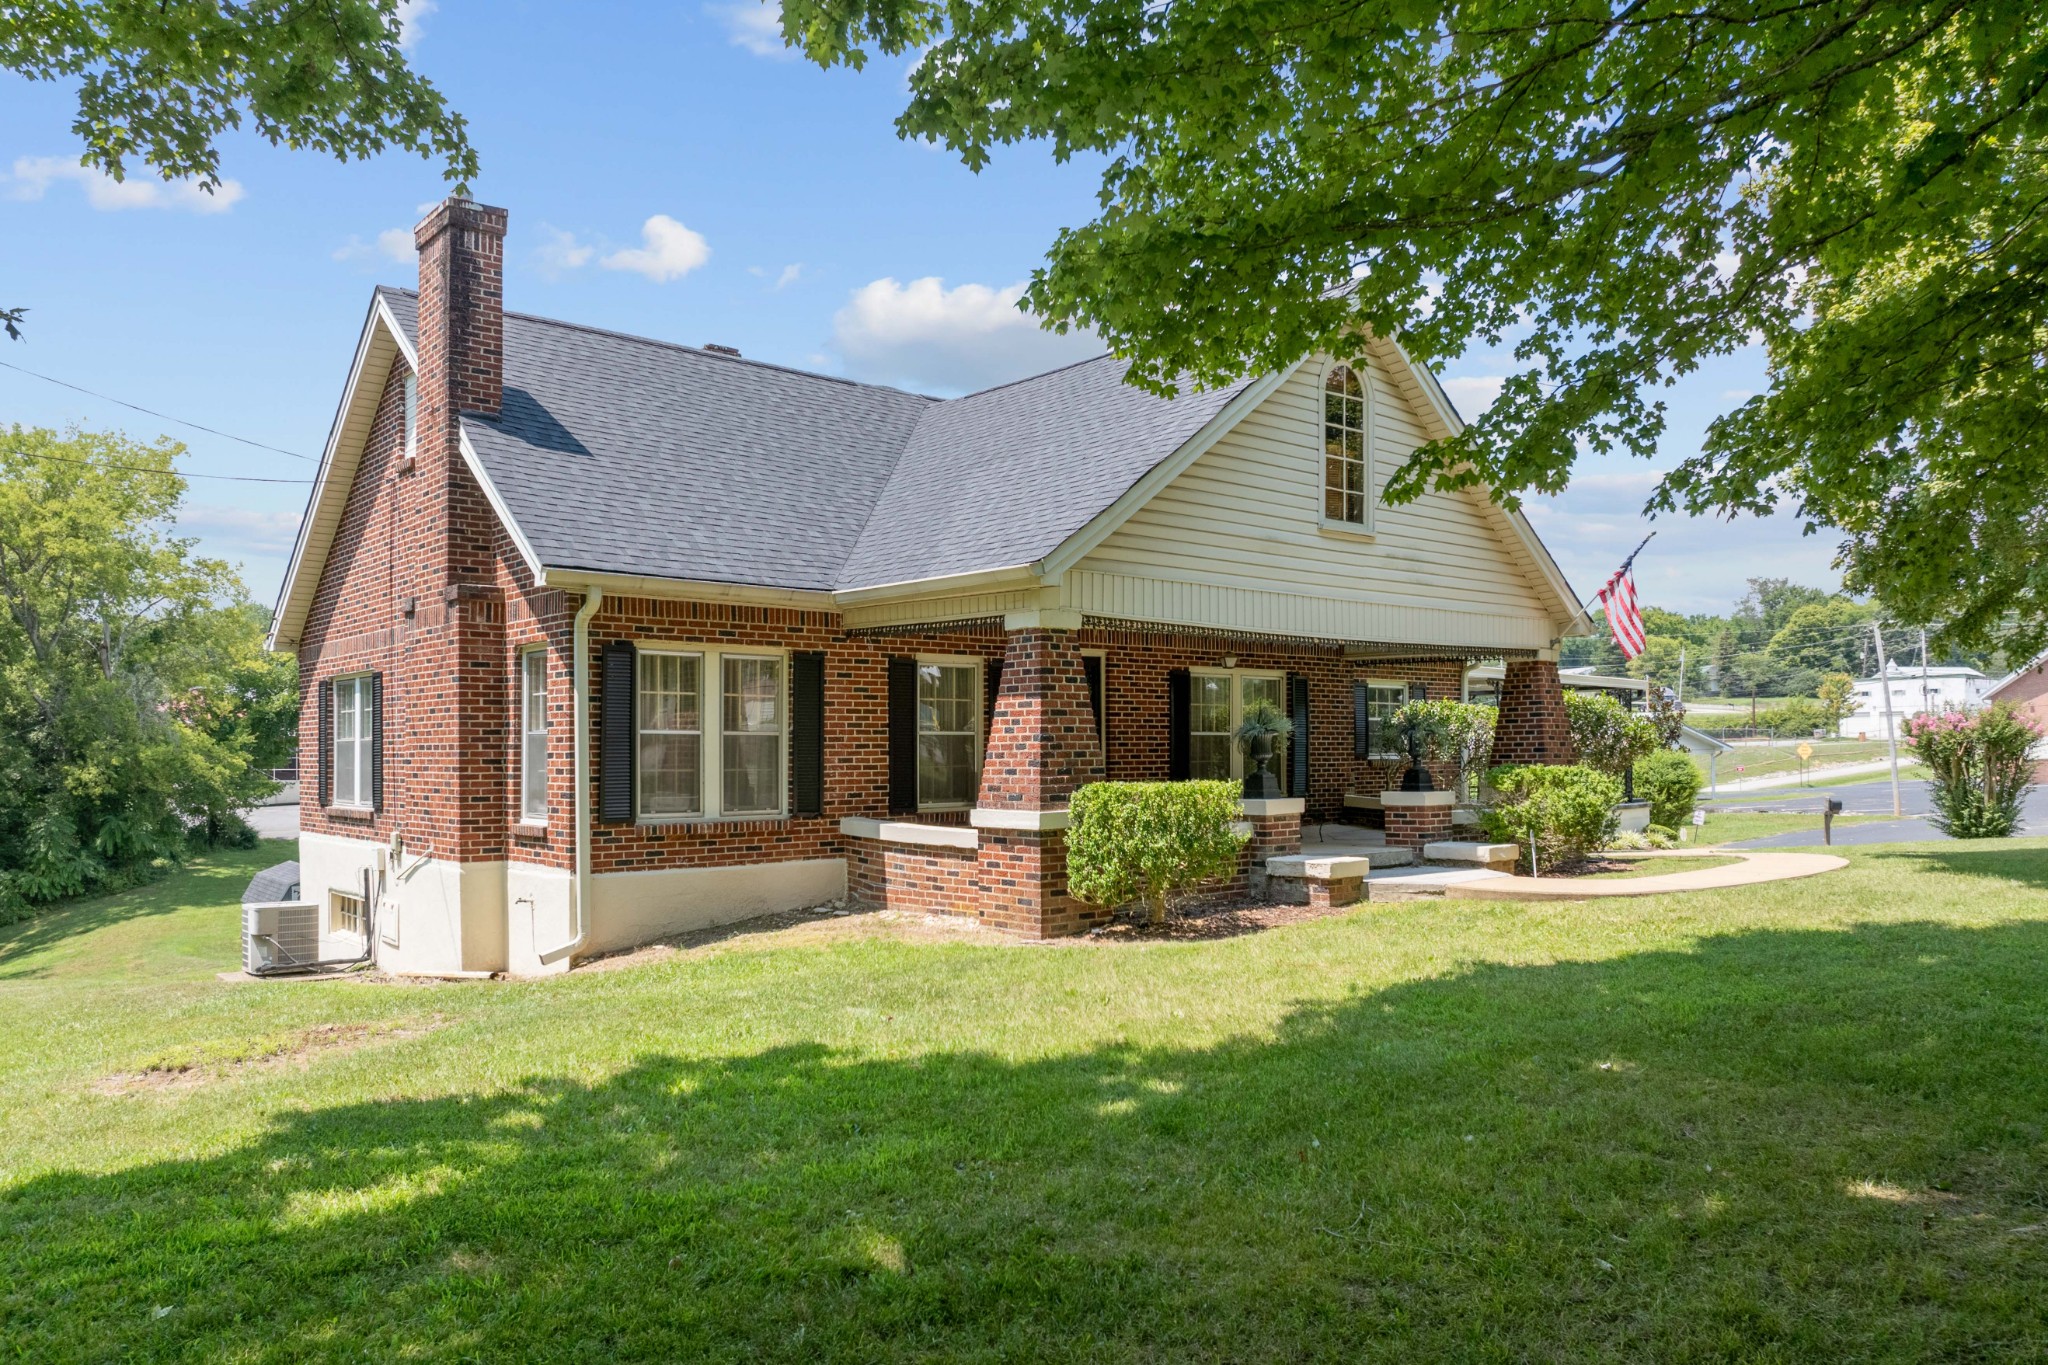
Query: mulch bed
x=1226, y=920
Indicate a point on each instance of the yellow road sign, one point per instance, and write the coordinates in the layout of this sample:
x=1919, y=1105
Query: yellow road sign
x=1805, y=751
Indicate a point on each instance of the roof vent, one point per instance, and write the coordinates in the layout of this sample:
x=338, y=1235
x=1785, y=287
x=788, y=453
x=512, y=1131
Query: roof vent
x=717, y=349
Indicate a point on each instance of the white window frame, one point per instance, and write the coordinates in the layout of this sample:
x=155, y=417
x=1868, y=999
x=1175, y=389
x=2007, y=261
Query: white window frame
x=1237, y=678
x=711, y=738
x=411, y=388
x=346, y=913
x=361, y=754
x=1338, y=525
x=533, y=726
x=1378, y=753
x=980, y=697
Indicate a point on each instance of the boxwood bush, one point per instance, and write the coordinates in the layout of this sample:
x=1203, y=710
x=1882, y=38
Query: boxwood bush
x=1569, y=809
x=1670, y=782
x=1132, y=841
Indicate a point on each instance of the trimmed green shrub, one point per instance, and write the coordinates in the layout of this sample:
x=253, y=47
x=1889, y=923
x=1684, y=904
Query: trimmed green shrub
x=1145, y=841
x=1979, y=767
x=1670, y=782
x=1569, y=810
x=1607, y=736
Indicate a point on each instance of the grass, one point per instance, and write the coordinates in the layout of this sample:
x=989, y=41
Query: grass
x=1791, y=1122
x=1727, y=827
x=1658, y=867
x=1782, y=757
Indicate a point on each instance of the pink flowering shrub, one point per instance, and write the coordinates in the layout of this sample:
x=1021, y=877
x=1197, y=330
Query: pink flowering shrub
x=1979, y=768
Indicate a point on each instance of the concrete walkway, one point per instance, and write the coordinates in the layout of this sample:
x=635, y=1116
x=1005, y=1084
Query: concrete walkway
x=1754, y=868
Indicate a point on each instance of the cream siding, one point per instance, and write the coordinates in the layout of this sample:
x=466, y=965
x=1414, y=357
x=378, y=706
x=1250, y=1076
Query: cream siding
x=1237, y=541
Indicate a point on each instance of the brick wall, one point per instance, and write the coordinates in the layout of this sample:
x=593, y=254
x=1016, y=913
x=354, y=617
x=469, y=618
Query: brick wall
x=1531, y=727
x=912, y=877
x=1041, y=742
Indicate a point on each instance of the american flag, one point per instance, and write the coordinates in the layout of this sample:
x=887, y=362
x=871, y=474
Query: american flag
x=1623, y=617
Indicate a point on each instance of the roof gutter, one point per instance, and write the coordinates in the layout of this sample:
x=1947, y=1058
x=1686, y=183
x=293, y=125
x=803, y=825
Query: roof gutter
x=579, y=883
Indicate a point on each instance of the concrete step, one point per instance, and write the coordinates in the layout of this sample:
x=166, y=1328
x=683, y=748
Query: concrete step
x=1323, y=863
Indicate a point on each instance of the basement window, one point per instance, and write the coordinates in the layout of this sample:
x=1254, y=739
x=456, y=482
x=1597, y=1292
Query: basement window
x=344, y=913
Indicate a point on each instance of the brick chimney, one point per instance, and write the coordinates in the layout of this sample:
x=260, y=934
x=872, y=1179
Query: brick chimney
x=462, y=310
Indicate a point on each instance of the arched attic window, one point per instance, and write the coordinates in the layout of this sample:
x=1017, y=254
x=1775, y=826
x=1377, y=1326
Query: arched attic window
x=1347, y=461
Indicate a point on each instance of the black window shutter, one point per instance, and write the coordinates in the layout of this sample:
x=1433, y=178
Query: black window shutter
x=323, y=762
x=807, y=732
x=376, y=741
x=991, y=689
x=619, y=742
x=1091, y=668
x=902, y=734
x=1178, y=738
x=1361, y=721
x=1297, y=751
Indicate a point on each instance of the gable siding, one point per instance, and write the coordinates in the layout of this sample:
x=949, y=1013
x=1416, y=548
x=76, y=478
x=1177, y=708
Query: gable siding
x=1236, y=541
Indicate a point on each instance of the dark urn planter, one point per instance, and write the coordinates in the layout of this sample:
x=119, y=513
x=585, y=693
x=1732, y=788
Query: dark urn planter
x=1259, y=782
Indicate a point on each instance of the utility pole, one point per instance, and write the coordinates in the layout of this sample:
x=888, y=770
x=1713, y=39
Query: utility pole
x=1891, y=728
x=1681, y=677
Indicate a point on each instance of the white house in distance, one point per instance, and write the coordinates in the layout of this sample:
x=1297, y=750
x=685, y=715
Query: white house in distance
x=1914, y=691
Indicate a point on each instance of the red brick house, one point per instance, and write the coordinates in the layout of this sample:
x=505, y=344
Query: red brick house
x=2026, y=690
x=604, y=637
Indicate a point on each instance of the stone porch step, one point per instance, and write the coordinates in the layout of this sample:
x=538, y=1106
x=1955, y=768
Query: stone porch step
x=1325, y=864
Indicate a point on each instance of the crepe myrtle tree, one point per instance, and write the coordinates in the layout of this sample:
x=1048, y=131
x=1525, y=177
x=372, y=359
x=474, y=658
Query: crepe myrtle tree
x=161, y=81
x=1620, y=192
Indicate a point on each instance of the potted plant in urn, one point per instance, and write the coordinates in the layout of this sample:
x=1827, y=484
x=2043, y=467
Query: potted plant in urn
x=1259, y=731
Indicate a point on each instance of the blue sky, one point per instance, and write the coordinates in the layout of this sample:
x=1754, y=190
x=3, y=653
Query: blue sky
x=670, y=171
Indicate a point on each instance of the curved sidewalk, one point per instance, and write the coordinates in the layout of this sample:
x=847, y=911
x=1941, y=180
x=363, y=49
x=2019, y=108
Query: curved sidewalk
x=1754, y=869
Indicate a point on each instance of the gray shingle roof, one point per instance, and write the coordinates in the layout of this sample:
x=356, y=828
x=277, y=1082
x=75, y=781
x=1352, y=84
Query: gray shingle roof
x=623, y=455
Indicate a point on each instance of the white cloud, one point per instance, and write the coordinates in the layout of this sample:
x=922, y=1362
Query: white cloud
x=560, y=251
x=1738, y=395
x=33, y=176
x=755, y=25
x=671, y=251
x=239, y=530
x=1474, y=394
x=784, y=278
x=392, y=244
x=925, y=335
x=410, y=12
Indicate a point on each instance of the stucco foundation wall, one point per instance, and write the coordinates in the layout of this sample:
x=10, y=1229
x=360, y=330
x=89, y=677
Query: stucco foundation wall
x=627, y=908
x=431, y=916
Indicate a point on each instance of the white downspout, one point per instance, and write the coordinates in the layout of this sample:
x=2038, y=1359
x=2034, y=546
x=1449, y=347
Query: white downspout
x=579, y=882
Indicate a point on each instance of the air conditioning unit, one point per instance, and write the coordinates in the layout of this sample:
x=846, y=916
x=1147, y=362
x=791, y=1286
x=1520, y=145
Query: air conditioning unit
x=280, y=934
x=278, y=929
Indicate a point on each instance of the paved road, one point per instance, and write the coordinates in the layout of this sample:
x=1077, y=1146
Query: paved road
x=274, y=822
x=1868, y=798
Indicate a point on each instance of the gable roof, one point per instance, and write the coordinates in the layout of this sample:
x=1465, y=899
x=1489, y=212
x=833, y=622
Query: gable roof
x=619, y=455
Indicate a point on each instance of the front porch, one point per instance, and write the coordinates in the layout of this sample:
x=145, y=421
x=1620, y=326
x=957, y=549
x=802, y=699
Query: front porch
x=1073, y=699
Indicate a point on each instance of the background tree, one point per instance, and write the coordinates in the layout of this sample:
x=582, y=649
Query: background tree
x=138, y=708
x=1837, y=697
x=160, y=82
x=1829, y=636
x=1622, y=191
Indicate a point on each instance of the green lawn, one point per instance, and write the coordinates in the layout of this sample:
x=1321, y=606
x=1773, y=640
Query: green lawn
x=1727, y=827
x=1782, y=758
x=1786, y=1123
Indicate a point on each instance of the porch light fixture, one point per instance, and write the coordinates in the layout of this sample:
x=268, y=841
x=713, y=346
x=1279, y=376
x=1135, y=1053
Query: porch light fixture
x=1230, y=661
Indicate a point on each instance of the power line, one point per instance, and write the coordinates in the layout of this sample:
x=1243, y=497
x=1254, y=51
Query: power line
x=146, y=469
x=166, y=417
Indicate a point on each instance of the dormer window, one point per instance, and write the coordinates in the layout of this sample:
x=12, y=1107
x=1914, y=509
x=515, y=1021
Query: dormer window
x=1347, y=490
x=412, y=417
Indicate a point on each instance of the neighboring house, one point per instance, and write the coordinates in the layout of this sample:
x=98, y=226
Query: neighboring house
x=1914, y=692
x=603, y=638
x=2026, y=689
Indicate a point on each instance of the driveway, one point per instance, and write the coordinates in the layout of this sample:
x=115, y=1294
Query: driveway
x=1868, y=798
x=274, y=822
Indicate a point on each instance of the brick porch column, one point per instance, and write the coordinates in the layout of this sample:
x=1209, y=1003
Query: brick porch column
x=1531, y=726
x=1417, y=818
x=1041, y=746
x=1276, y=832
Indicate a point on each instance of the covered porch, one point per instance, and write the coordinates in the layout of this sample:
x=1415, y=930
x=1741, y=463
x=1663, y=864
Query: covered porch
x=1068, y=697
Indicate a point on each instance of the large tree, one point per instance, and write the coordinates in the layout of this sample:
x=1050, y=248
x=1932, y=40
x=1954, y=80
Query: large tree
x=1623, y=190
x=160, y=82
x=139, y=710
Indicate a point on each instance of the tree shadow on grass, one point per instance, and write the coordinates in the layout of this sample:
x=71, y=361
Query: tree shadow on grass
x=212, y=880
x=2021, y=866
x=1780, y=1146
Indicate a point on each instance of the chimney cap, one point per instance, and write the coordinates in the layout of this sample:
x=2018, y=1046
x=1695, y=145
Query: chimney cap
x=717, y=349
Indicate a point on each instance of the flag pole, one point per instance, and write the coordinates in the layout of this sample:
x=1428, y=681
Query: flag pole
x=1633, y=553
